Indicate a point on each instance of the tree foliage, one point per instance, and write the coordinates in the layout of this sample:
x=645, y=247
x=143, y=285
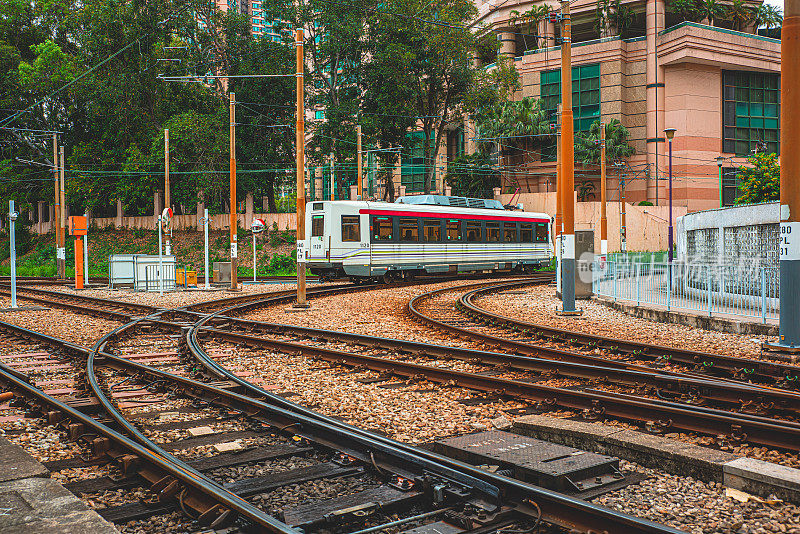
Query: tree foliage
x=472, y=175
x=587, y=144
x=760, y=180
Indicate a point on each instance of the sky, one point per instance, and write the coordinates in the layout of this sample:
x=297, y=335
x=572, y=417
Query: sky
x=778, y=3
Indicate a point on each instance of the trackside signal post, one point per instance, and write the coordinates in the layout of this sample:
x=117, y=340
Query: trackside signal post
x=78, y=228
x=300, y=140
x=789, y=327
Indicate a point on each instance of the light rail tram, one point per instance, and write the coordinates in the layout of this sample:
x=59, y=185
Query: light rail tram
x=422, y=234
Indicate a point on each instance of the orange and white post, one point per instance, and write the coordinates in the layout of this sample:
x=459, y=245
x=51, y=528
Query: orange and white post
x=78, y=227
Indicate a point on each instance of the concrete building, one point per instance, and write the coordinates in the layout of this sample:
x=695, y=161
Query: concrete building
x=717, y=86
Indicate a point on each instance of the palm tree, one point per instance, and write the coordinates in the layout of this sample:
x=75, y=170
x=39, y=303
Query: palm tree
x=620, y=16
x=587, y=145
x=768, y=16
x=531, y=17
x=685, y=9
x=739, y=14
x=710, y=10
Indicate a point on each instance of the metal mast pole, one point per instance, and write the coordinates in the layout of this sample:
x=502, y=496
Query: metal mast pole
x=12, y=217
x=567, y=167
x=205, y=233
x=360, y=187
x=603, y=217
x=559, y=175
x=167, y=196
x=63, y=219
x=234, y=208
x=301, y=179
x=57, y=206
x=789, y=328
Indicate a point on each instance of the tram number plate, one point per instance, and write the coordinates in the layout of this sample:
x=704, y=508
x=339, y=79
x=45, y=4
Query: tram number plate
x=790, y=241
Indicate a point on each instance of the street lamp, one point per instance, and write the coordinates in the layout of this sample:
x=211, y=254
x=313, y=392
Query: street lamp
x=720, y=161
x=670, y=133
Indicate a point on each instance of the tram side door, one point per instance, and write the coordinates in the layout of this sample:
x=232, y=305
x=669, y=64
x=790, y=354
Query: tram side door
x=319, y=247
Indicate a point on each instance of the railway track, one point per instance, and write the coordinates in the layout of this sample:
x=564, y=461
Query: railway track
x=769, y=372
x=438, y=485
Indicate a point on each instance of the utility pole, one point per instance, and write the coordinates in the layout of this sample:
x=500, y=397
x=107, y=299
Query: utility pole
x=333, y=175
x=559, y=175
x=360, y=187
x=167, y=199
x=789, y=326
x=63, y=219
x=603, y=218
x=567, y=167
x=56, y=222
x=300, y=140
x=234, y=208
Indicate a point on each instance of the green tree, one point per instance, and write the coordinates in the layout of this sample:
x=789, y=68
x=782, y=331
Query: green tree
x=685, y=9
x=621, y=17
x=710, y=10
x=472, y=175
x=740, y=14
x=760, y=181
x=519, y=124
x=587, y=144
x=768, y=16
x=433, y=45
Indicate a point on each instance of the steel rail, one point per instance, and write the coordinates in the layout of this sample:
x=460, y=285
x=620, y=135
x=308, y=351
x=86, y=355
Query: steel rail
x=555, y=508
x=770, y=432
x=144, y=449
x=737, y=393
x=241, y=506
x=745, y=367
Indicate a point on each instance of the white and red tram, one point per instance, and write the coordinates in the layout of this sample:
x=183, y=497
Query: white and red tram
x=368, y=240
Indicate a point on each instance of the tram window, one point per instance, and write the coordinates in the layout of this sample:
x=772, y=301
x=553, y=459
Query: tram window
x=351, y=229
x=317, y=225
x=409, y=230
x=510, y=232
x=381, y=228
x=431, y=230
x=453, y=230
x=526, y=233
x=541, y=232
x=473, y=231
x=493, y=232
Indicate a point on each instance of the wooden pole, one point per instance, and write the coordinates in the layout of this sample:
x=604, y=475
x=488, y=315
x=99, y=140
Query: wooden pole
x=360, y=188
x=559, y=178
x=333, y=175
x=789, y=256
x=603, y=218
x=567, y=166
x=300, y=140
x=63, y=219
x=234, y=222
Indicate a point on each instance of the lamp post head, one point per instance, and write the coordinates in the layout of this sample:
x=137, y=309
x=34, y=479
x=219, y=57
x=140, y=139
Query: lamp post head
x=670, y=133
x=720, y=160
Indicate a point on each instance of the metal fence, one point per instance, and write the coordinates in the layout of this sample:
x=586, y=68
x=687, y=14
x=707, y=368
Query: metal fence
x=743, y=290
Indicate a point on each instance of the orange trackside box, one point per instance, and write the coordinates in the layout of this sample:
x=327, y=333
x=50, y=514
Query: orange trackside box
x=78, y=225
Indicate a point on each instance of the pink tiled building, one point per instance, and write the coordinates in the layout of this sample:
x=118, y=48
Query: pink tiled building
x=717, y=86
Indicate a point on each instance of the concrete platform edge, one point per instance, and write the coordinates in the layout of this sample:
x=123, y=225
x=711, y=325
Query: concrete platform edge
x=753, y=476
x=717, y=324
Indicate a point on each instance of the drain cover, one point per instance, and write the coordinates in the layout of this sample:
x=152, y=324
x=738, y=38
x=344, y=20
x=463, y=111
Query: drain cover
x=539, y=462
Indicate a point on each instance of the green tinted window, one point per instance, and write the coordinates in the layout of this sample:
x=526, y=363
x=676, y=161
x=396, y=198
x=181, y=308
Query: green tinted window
x=751, y=112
